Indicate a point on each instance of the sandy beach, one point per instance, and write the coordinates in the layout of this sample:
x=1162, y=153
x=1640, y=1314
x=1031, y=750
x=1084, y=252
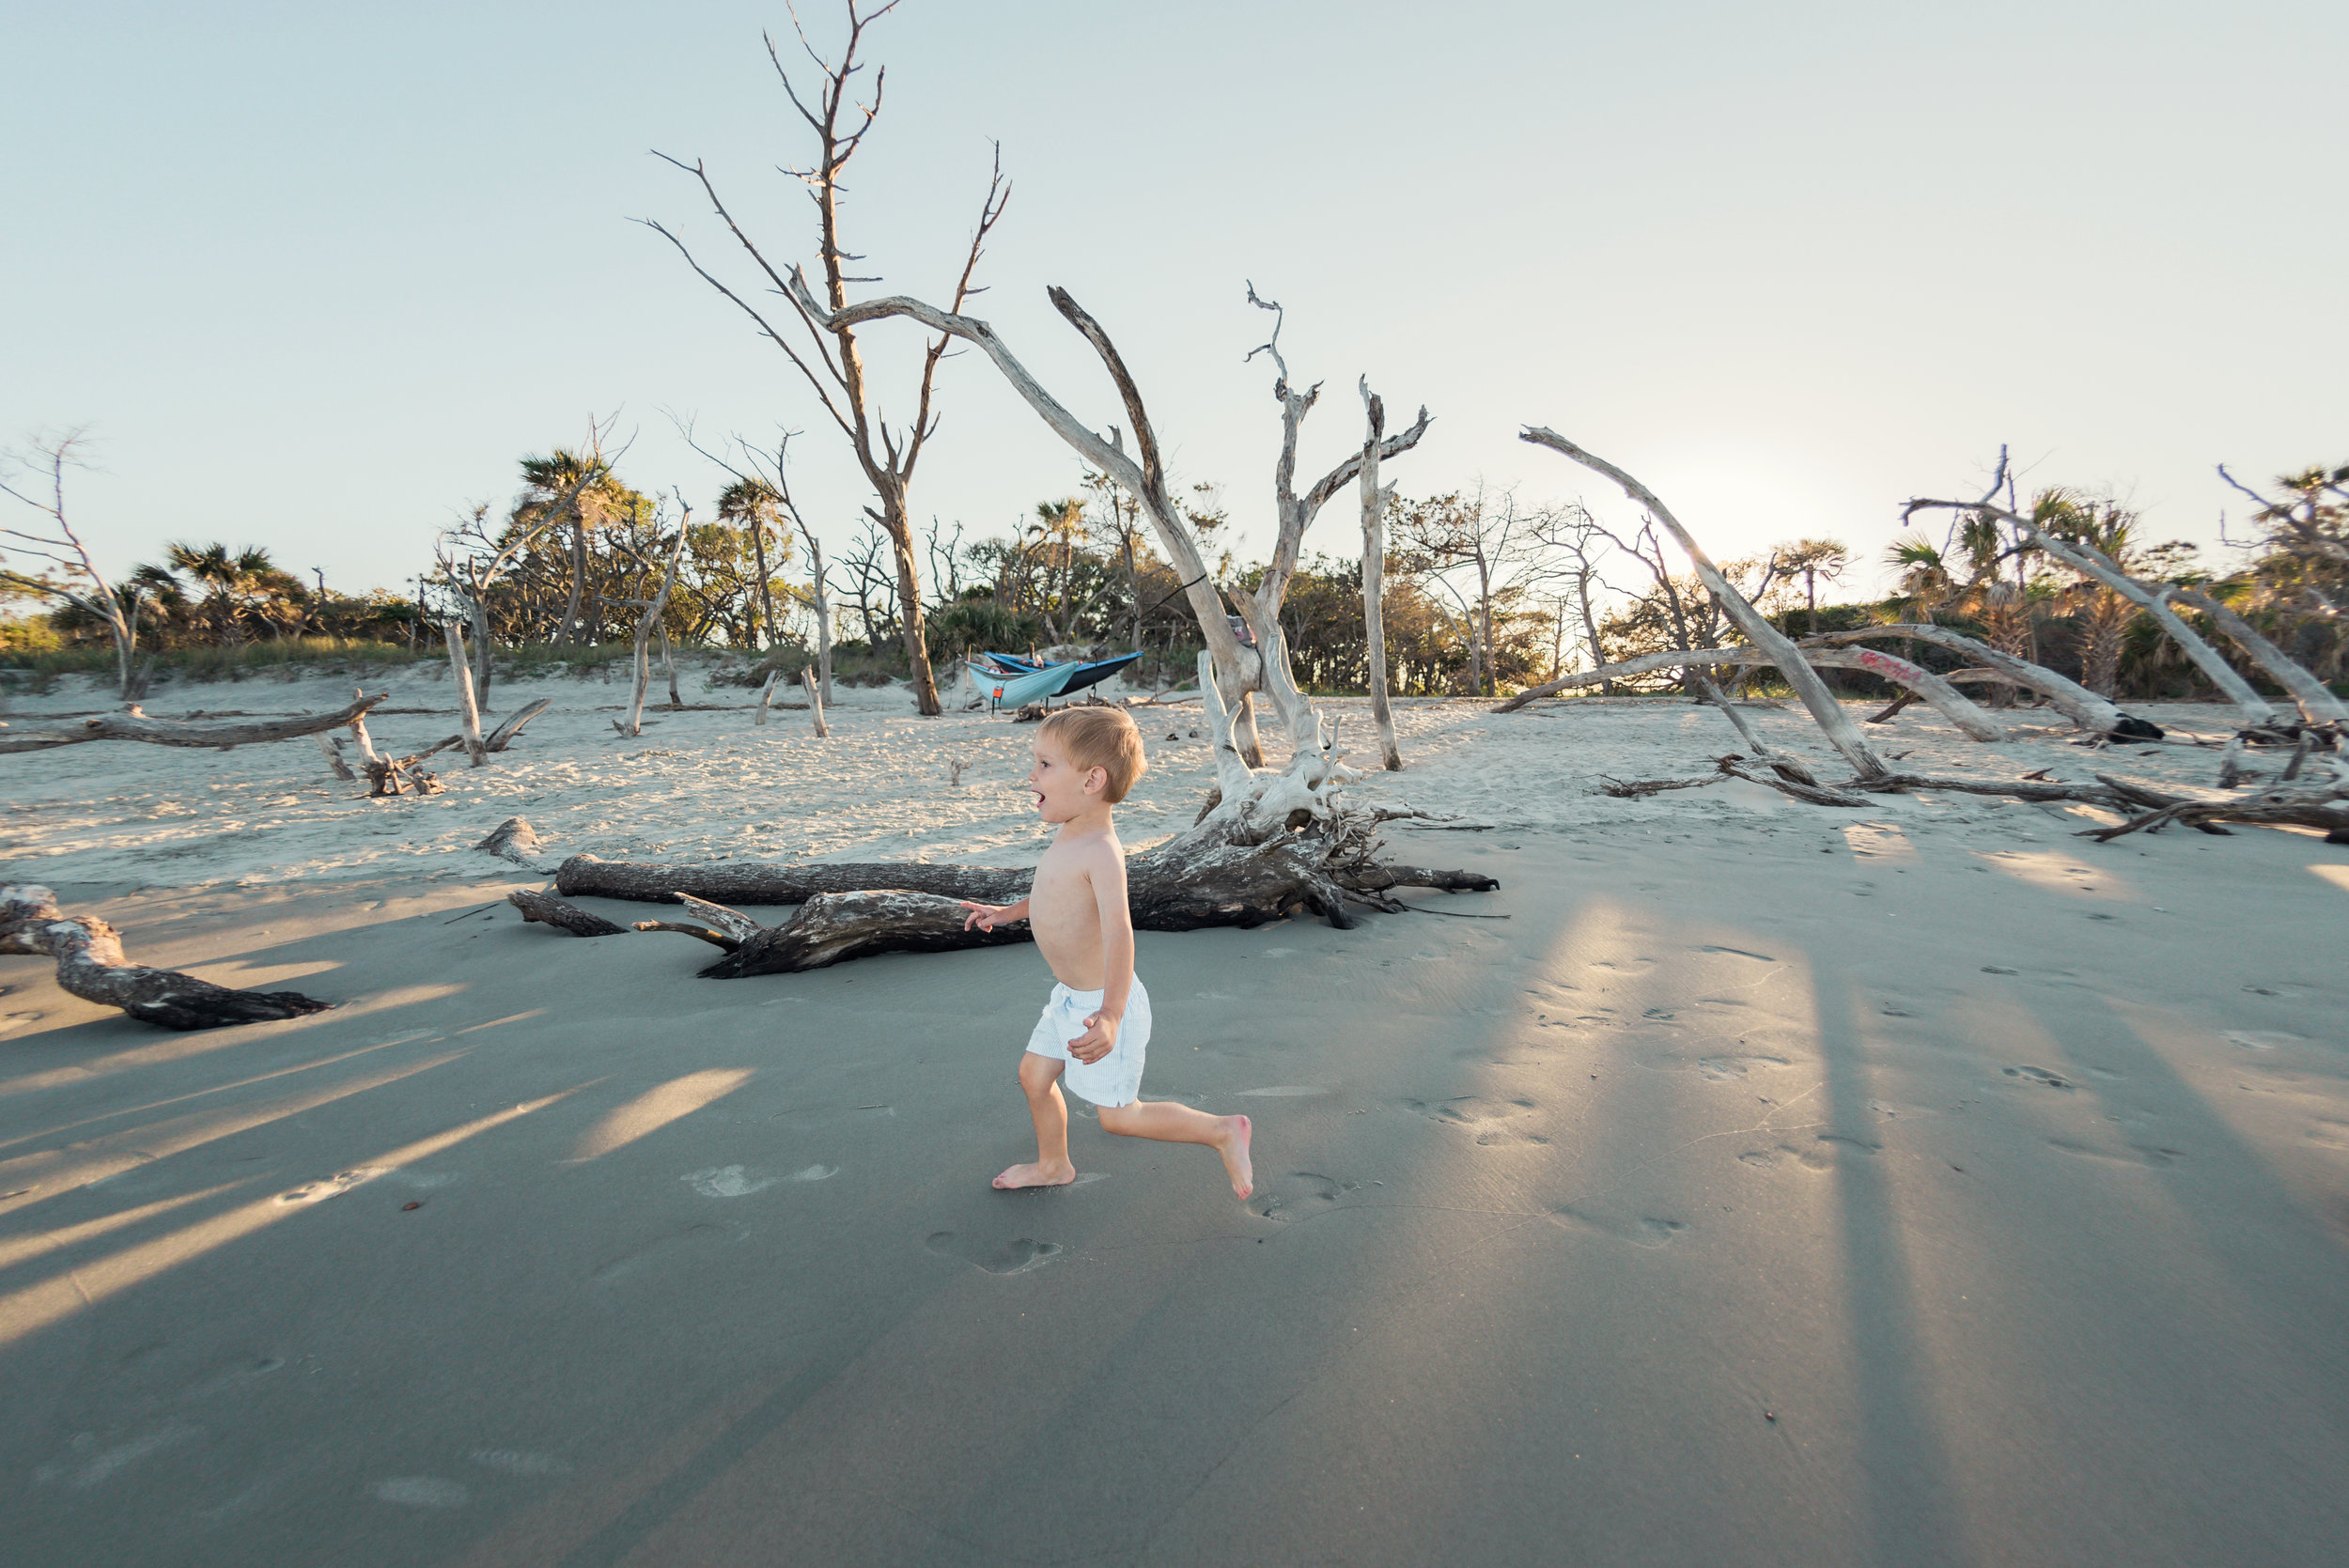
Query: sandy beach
x=1753, y=1183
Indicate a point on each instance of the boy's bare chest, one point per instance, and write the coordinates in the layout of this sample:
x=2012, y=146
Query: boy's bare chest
x=1062, y=892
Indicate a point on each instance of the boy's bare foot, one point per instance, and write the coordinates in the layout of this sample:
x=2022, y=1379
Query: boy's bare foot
x=1235, y=1152
x=1056, y=1176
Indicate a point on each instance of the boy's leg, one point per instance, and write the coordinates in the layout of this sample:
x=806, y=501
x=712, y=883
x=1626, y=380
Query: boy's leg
x=1039, y=1079
x=1170, y=1121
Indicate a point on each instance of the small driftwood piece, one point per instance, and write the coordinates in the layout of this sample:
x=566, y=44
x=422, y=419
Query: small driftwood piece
x=334, y=762
x=546, y=909
x=686, y=928
x=515, y=840
x=133, y=724
x=766, y=694
x=90, y=965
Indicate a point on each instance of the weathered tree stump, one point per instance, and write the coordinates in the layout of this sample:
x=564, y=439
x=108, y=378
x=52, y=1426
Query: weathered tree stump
x=90, y=965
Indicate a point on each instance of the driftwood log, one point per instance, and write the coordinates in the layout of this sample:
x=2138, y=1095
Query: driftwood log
x=133, y=724
x=1268, y=846
x=90, y=965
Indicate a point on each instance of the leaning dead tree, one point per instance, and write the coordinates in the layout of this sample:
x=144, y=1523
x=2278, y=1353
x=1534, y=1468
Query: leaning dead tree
x=1929, y=688
x=2090, y=713
x=1268, y=844
x=1840, y=732
x=133, y=724
x=825, y=350
x=90, y=965
x=1236, y=667
x=2089, y=562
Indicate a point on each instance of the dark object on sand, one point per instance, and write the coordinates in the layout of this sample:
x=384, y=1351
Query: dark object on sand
x=91, y=965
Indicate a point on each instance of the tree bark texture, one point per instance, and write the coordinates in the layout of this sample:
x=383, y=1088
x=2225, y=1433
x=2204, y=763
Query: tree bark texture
x=133, y=724
x=90, y=965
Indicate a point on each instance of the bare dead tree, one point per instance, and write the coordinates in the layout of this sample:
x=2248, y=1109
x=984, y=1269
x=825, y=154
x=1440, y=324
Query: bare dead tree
x=1293, y=513
x=1375, y=503
x=1837, y=724
x=61, y=545
x=829, y=358
x=2309, y=519
x=869, y=576
x=1580, y=545
x=652, y=609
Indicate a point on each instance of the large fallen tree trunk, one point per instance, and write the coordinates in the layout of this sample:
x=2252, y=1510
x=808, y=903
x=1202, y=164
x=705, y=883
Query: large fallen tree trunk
x=1268, y=846
x=91, y=965
x=133, y=724
x=1935, y=690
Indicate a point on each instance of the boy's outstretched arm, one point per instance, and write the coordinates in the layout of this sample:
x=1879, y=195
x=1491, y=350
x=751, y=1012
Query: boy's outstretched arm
x=1106, y=873
x=986, y=917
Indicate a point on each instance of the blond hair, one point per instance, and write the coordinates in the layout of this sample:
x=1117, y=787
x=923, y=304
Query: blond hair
x=1103, y=737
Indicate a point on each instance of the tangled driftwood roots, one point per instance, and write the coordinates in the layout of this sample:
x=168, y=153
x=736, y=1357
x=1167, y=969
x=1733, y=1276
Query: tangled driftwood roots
x=91, y=965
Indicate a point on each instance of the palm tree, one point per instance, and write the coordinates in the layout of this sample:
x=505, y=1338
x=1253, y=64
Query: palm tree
x=2104, y=614
x=1814, y=559
x=756, y=506
x=547, y=478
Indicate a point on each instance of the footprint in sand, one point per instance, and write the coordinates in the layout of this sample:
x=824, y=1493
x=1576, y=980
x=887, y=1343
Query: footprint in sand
x=1647, y=1230
x=1492, y=1121
x=422, y=1491
x=1016, y=1256
x=2040, y=1076
x=735, y=1181
x=1297, y=1195
x=2263, y=1039
x=1818, y=1154
x=1722, y=1069
x=659, y=1248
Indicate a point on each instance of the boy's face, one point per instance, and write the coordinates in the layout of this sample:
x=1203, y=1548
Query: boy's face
x=1062, y=789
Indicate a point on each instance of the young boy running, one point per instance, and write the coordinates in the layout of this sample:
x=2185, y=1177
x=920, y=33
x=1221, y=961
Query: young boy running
x=1097, y=1026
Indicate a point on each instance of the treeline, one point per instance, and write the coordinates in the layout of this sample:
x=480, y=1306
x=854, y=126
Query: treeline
x=1482, y=595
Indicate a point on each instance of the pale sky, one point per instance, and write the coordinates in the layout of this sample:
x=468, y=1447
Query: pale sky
x=317, y=276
